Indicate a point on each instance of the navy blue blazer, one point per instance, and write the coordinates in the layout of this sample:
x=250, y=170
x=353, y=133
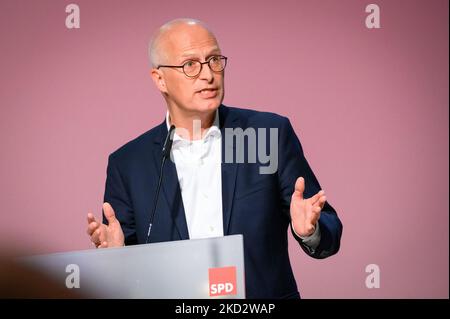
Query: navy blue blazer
x=255, y=205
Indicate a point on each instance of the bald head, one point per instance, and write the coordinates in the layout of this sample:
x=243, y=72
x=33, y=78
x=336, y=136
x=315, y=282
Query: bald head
x=173, y=34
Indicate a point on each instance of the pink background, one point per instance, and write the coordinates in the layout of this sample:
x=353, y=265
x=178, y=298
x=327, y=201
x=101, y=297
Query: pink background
x=370, y=106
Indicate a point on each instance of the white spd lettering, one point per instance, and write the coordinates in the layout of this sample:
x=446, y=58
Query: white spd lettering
x=219, y=288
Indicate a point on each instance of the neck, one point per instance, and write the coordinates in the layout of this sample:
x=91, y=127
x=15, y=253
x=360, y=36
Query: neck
x=191, y=125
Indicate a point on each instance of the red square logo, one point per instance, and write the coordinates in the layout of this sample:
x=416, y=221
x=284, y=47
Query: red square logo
x=222, y=281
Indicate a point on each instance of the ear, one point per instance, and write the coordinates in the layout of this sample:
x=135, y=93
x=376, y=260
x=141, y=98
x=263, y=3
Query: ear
x=158, y=79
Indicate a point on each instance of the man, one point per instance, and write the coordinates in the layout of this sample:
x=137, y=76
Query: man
x=204, y=195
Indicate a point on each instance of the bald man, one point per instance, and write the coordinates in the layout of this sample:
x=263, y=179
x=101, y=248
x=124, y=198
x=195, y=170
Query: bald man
x=204, y=194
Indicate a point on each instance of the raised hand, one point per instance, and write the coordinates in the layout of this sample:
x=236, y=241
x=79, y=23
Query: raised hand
x=305, y=212
x=103, y=236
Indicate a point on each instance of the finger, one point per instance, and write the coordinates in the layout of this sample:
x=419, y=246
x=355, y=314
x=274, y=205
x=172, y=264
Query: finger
x=108, y=211
x=315, y=215
x=95, y=236
x=90, y=218
x=319, y=204
x=103, y=245
x=102, y=236
x=316, y=197
x=322, y=201
x=92, y=227
x=299, y=187
x=316, y=210
x=97, y=245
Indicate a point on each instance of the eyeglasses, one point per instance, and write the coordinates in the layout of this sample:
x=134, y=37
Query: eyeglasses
x=192, y=68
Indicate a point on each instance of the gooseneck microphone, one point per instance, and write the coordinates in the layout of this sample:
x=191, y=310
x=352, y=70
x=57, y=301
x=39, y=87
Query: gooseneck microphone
x=165, y=154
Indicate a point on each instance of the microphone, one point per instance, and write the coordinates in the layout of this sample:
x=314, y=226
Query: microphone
x=165, y=154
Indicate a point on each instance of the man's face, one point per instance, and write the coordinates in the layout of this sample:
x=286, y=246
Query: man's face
x=202, y=93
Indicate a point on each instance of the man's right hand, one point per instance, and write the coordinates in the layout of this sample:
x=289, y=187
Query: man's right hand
x=103, y=236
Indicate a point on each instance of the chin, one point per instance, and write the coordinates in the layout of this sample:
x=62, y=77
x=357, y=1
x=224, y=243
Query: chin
x=208, y=105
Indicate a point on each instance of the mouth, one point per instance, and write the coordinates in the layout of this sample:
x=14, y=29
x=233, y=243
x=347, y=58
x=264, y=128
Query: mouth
x=208, y=93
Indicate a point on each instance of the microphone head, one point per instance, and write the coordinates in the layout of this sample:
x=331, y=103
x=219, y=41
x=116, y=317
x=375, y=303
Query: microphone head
x=168, y=142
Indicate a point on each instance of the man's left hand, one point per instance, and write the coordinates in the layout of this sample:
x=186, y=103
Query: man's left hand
x=305, y=212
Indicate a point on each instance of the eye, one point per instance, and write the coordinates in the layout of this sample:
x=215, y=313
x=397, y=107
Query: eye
x=189, y=63
x=215, y=58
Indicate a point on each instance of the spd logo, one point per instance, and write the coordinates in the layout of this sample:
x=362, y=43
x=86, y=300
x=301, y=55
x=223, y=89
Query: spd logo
x=222, y=281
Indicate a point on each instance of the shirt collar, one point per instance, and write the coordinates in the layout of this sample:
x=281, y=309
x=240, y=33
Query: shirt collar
x=213, y=131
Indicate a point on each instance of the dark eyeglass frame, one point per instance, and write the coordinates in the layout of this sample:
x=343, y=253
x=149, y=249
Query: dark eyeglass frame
x=201, y=65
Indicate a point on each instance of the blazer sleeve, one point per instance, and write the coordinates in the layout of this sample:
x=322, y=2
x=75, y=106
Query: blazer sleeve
x=293, y=164
x=116, y=194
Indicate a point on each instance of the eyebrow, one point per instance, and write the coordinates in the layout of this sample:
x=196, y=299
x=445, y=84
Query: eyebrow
x=193, y=55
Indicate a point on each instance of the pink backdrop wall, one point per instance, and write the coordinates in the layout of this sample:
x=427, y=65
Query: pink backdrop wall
x=371, y=108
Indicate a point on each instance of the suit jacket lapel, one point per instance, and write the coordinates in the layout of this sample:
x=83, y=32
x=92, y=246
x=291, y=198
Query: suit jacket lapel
x=170, y=186
x=229, y=170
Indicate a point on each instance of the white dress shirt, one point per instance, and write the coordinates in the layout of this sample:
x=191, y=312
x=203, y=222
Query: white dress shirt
x=199, y=171
x=198, y=164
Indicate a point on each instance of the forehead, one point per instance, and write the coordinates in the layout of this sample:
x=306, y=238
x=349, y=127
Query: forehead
x=189, y=40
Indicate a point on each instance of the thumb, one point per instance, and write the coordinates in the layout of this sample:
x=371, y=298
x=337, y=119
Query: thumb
x=299, y=187
x=108, y=211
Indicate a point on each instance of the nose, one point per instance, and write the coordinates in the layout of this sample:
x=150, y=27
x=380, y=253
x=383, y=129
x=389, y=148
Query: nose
x=206, y=73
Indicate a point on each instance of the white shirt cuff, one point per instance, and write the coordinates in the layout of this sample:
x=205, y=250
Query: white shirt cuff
x=311, y=241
